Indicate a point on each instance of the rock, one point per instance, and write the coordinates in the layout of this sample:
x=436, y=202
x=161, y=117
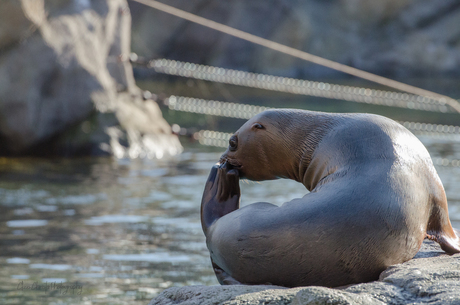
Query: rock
x=431, y=277
x=14, y=23
x=389, y=37
x=66, y=78
x=144, y=129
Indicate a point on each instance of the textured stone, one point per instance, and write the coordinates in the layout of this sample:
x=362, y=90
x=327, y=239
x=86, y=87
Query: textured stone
x=63, y=64
x=431, y=277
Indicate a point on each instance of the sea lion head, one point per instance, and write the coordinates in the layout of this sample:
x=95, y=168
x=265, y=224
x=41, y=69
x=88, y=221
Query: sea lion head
x=273, y=144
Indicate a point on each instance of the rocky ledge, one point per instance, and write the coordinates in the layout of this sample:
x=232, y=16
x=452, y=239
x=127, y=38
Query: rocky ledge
x=67, y=87
x=431, y=277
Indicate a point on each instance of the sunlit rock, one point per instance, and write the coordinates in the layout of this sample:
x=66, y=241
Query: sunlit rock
x=66, y=80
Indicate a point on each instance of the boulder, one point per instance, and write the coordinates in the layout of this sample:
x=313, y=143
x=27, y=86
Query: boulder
x=388, y=37
x=431, y=277
x=66, y=79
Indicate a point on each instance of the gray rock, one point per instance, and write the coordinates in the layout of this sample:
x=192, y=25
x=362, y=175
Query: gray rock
x=66, y=79
x=391, y=37
x=431, y=277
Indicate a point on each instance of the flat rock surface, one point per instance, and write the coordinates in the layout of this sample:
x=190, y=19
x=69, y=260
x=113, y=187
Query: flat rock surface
x=431, y=277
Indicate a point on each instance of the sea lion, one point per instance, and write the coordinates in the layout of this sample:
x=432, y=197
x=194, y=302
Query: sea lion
x=374, y=196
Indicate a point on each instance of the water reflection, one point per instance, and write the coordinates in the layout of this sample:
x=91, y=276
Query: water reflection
x=26, y=223
x=123, y=230
x=18, y=260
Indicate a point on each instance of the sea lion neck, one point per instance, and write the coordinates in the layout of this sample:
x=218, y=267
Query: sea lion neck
x=308, y=168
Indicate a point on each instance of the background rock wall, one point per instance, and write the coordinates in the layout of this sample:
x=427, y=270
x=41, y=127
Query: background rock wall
x=388, y=37
x=64, y=69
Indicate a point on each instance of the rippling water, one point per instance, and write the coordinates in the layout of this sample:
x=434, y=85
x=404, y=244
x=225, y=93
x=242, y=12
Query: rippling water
x=107, y=231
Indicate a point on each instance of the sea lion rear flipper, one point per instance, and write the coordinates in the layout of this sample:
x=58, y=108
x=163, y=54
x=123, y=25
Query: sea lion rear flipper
x=440, y=229
x=450, y=244
x=223, y=277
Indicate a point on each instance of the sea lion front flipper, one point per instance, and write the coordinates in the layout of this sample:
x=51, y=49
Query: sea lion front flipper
x=221, y=194
x=223, y=277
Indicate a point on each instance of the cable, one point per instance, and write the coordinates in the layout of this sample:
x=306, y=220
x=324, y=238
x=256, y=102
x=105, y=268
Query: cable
x=294, y=86
x=245, y=111
x=301, y=54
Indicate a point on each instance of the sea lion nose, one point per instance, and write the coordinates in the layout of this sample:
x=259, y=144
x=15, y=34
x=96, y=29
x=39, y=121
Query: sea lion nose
x=233, y=143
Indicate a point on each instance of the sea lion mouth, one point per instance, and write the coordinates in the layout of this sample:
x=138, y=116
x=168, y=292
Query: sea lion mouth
x=230, y=163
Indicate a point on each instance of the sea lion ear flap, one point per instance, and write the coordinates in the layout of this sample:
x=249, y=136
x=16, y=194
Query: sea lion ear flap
x=257, y=126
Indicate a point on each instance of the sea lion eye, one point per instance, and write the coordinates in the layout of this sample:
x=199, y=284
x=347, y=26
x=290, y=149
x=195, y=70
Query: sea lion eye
x=233, y=143
x=258, y=126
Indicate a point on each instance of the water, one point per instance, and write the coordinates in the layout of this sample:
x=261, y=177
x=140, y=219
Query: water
x=108, y=231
